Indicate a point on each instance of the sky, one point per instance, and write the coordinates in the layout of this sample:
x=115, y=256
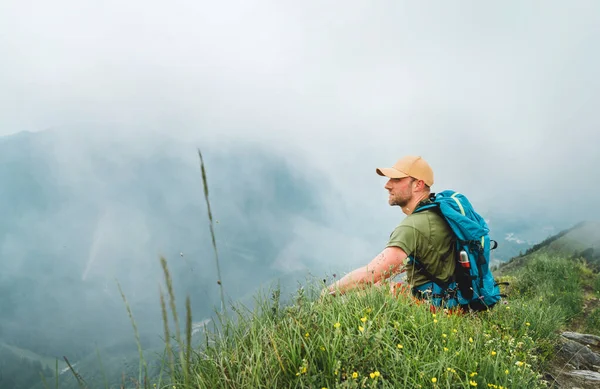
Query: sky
x=500, y=98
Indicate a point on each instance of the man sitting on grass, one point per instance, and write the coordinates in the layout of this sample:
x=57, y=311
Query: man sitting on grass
x=424, y=235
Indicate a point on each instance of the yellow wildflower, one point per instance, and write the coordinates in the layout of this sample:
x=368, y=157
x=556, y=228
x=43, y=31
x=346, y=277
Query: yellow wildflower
x=322, y=348
x=434, y=380
x=337, y=325
x=306, y=335
x=472, y=383
x=361, y=328
x=445, y=348
x=376, y=372
x=527, y=324
x=400, y=346
x=470, y=340
x=473, y=374
x=363, y=319
x=493, y=353
x=506, y=371
x=435, y=320
x=519, y=363
x=372, y=375
x=444, y=336
x=355, y=375
x=369, y=310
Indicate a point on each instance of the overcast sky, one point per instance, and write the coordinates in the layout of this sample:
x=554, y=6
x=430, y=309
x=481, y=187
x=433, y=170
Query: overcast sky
x=501, y=99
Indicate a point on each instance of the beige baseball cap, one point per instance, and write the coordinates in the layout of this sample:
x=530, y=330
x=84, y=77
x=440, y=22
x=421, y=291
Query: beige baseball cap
x=409, y=166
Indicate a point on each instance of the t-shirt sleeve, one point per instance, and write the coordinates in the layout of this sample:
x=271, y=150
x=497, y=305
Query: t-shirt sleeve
x=404, y=237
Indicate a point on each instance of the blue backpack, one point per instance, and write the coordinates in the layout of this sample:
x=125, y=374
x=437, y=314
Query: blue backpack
x=472, y=287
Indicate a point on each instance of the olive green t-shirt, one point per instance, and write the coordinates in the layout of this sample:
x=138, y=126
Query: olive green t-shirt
x=426, y=237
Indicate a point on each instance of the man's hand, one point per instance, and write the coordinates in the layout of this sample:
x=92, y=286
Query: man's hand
x=326, y=292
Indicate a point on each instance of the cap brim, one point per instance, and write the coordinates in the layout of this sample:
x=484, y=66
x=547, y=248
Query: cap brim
x=390, y=172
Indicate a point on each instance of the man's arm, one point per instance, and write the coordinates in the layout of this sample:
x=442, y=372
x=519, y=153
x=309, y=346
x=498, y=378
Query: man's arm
x=381, y=267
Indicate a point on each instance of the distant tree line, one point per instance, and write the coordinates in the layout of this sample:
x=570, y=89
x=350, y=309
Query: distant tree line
x=20, y=373
x=550, y=239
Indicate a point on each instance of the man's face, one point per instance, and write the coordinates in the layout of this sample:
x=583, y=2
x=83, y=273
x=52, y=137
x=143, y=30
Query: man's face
x=401, y=191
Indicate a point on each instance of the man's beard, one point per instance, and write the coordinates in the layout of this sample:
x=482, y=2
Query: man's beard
x=400, y=201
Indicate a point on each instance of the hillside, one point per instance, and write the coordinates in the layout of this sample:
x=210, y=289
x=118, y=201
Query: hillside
x=375, y=339
x=581, y=240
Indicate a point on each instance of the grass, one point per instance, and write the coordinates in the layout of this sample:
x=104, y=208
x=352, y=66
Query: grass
x=378, y=340
x=556, y=280
x=375, y=339
x=592, y=320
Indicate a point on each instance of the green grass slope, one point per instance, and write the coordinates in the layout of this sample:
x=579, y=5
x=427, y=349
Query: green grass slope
x=377, y=340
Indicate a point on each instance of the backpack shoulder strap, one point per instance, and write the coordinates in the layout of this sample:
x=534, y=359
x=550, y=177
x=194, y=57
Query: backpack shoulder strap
x=434, y=206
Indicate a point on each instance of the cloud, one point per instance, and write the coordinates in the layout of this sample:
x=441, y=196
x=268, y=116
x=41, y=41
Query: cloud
x=511, y=237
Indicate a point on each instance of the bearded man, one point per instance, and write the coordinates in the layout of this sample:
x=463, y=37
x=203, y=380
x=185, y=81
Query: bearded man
x=424, y=236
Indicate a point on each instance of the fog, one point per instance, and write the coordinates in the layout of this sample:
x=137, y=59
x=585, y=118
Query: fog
x=501, y=99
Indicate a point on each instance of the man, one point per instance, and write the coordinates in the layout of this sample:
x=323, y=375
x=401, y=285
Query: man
x=423, y=236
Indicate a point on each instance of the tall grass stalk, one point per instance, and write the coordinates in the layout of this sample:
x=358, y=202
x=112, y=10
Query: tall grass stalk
x=168, y=348
x=188, y=334
x=162, y=368
x=172, y=304
x=212, y=231
x=142, y=364
x=80, y=380
x=102, y=368
x=45, y=383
